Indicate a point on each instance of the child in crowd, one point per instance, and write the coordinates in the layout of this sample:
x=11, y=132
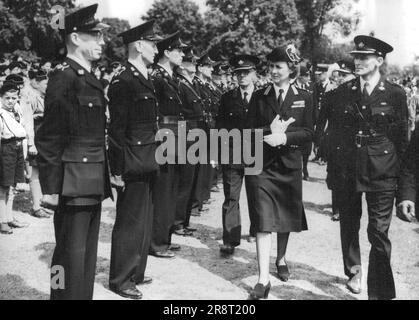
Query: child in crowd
x=12, y=134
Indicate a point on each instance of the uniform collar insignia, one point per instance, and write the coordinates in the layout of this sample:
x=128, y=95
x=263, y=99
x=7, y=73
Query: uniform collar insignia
x=382, y=88
x=136, y=74
x=80, y=72
x=267, y=90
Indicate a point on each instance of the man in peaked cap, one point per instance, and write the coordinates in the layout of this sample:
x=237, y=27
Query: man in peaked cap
x=165, y=189
x=210, y=98
x=368, y=128
x=132, y=148
x=232, y=115
x=72, y=156
x=193, y=110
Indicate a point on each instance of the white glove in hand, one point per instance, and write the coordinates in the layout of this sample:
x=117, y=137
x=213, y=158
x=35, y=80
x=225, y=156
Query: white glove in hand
x=276, y=139
x=280, y=126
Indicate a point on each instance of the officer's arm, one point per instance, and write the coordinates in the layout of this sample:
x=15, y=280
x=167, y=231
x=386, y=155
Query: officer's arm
x=322, y=119
x=406, y=192
x=301, y=135
x=407, y=179
x=119, y=103
x=400, y=129
x=51, y=136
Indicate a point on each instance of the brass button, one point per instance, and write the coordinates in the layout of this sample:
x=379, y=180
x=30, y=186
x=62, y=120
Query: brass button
x=364, y=107
x=84, y=159
x=139, y=142
x=360, y=132
x=386, y=152
x=231, y=114
x=90, y=105
x=383, y=114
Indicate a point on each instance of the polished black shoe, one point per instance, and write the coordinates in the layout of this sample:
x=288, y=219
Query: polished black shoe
x=183, y=232
x=227, y=249
x=131, y=293
x=146, y=280
x=174, y=247
x=163, y=254
x=283, y=273
x=260, y=291
x=306, y=178
x=203, y=210
x=336, y=217
x=195, y=213
x=190, y=229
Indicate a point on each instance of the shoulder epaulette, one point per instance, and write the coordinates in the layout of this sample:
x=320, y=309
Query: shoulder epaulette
x=120, y=71
x=61, y=67
x=267, y=89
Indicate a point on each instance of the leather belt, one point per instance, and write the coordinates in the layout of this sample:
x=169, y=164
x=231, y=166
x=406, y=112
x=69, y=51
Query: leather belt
x=362, y=140
x=16, y=141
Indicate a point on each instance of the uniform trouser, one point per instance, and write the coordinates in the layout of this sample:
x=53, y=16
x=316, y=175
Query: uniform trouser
x=76, y=236
x=380, y=207
x=306, y=155
x=335, y=204
x=232, y=182
x=187, y=178
x=202, y=190
x=165, y=191
x=131, y=234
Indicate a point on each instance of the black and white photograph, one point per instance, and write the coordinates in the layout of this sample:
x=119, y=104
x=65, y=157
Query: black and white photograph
x=209, y=150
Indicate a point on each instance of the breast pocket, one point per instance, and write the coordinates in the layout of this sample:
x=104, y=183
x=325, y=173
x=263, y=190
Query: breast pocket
x=90, y=111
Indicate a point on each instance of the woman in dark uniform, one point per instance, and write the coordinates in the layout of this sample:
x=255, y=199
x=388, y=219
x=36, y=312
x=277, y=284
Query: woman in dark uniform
x=284, y=112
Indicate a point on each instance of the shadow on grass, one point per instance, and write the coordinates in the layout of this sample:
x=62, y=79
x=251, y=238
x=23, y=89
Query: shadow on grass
x=243, y=265
x=13, y=287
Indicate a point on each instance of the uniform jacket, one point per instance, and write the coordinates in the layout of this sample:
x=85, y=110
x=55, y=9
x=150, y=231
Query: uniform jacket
x=71, y=141
x=210, y=101
x=168, y=95
x=134, y=114
x=263, y=109
x=192, y=103
x=383, y=115
x=232, y=114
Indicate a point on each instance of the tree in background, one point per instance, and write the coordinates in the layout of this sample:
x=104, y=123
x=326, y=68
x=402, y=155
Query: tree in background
x=250, y=26
x=174, y=15
x=25, y=27
x=114, y=48
x=338, y=17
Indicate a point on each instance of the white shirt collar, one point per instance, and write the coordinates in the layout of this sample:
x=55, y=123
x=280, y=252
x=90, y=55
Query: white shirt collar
x=284, y=88
x=249, y=91
x=373, y=82
x=140, y=67
x=170, y=72
x=82, y=63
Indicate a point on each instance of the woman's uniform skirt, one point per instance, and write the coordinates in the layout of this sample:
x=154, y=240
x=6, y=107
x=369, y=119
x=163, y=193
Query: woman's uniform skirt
x=277, y=199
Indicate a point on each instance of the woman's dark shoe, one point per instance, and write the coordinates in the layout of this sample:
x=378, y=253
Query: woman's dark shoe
x=5, y=229
x=260, y=291
x=283, y=273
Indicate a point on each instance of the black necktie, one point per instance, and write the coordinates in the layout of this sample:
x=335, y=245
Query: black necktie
x=245, y=94
x=365, y=91
x=280, y=97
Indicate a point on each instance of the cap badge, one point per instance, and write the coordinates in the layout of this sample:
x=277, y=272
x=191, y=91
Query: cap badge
x=361, y=45
x=292, y=53
x=354, y=88
x=241, y=62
